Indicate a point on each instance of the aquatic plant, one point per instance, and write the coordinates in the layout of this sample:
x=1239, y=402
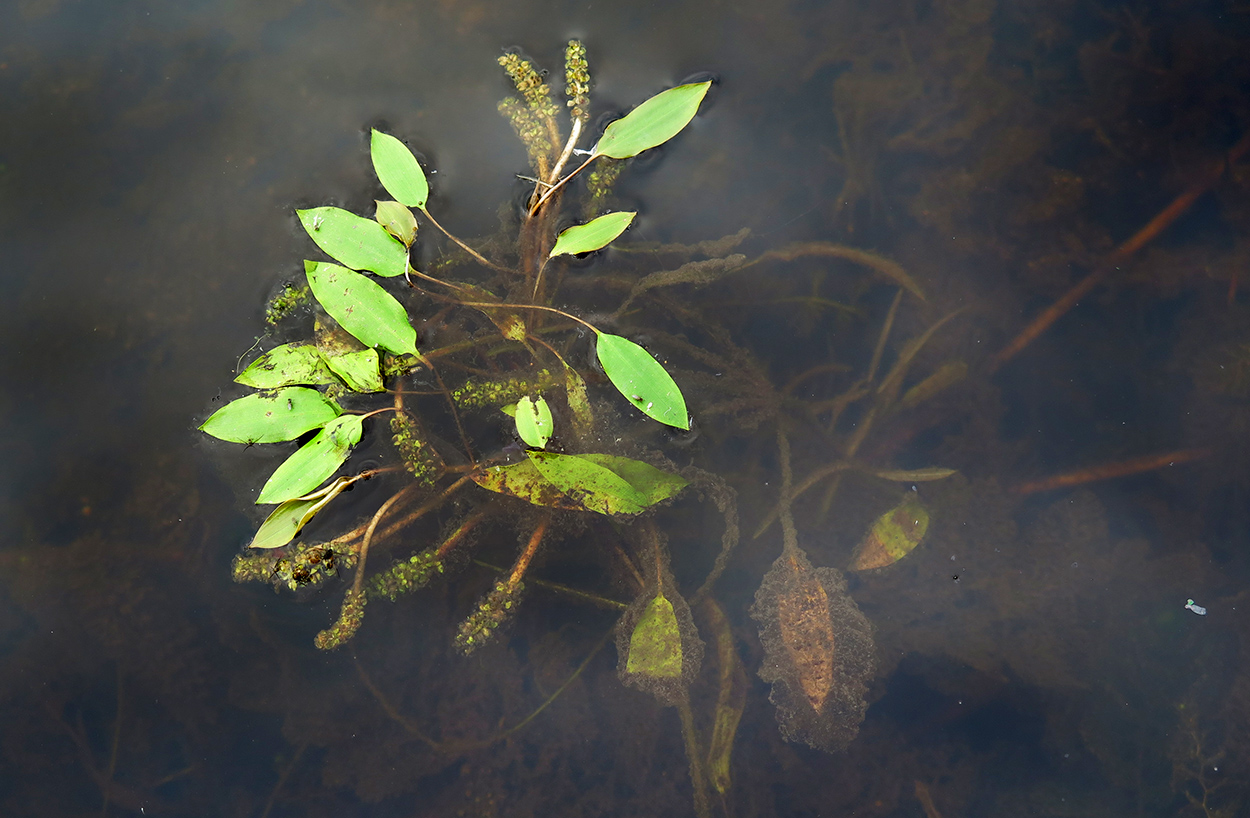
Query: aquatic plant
x=568, y=457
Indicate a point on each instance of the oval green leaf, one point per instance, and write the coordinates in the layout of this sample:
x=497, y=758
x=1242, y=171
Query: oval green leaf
x=397, y=220
x=398, y=170
x=595, y=487
x=642, y=380
x=362, y=307
x=313, y=462
x=591, y=236
x=272, y=416
x=652, y=123
x=356, y=242
x=533, y=422
x=359, y=370
x=287, y=365
x=655, y=644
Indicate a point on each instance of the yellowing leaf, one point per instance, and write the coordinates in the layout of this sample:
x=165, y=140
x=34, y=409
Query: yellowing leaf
x=893, y=536
x=397, y=220
x=655, y=644
x=281, y=526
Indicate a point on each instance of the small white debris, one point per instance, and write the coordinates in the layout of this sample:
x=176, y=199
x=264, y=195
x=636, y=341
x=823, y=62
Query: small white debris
x=1195, y=607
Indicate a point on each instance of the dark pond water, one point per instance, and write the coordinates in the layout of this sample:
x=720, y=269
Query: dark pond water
x=1033, y=656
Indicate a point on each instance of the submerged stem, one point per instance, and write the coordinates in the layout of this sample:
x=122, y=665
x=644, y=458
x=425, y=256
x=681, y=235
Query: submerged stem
x=463, y=246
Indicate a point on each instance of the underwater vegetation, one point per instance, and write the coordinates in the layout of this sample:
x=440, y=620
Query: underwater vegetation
x=802, y=569
x=501, y=422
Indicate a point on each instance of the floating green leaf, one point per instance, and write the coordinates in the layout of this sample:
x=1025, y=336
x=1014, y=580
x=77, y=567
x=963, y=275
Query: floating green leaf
x=287, y=365
x=359, y=370
x=281, y=526
x=655, y=644
x=313, y=462
x=653, y=484
x=523, y=480
x=642, y=380
x=588, y=237
x=652, y=123
x=358, y=243
x=362, y=307
x=272, y=416
x=597, y=488
x=533, y=422
x=397, y=220
x=398, y=170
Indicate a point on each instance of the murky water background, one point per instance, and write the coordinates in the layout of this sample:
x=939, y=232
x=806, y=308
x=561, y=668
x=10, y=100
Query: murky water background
x=1034, y=656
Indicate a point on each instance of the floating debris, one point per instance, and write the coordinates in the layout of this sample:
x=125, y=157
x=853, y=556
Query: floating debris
x=1190, y=605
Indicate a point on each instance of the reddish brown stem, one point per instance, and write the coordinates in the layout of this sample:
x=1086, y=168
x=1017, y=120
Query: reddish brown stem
x=523, y=561
x=1121, y=254
x=1109, y=471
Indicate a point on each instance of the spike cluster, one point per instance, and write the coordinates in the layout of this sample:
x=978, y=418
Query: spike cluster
x=494, y=610
x=535, y=121
x=599, y=182
x=348, y=623
x=420, y=459
x=290, y=299
x=406, y=576
x=298, y=566
x=577, y=80
x=483, y=393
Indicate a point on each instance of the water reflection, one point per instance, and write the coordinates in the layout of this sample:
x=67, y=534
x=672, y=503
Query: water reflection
x=149, y=163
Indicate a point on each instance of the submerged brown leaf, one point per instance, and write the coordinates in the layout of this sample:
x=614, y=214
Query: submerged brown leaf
x=806, y=630
x=818, y=651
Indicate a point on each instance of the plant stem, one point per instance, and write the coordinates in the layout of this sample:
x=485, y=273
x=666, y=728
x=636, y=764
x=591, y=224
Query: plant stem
x=586, y=324
x=568, y=151
x=531, y=548
x=551, y=190
x=463, y=246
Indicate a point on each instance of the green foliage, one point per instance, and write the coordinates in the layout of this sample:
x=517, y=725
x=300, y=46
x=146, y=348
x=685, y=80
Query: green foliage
x=355, y=242
x=313, y=462
x=287, y=365
x=398, y=170
x=362, y=307
x=642, y=380
x=271, y=416
x=586, y=238
x=533, y=421
x=652, y=123
x=360, y=370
